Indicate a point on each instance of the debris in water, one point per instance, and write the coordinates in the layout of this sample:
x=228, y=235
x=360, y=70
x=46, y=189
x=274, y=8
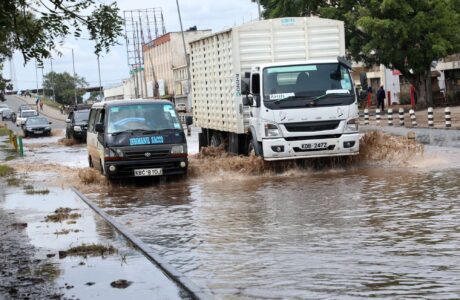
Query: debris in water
x=66, y=231
x=5, y=170
x=50, y=255
x=37, y=192
x=19, y=225
x=90, y=283
x=14, y=181
x=62, y=214
x=88, y=250
x=121, y=284
x=71, y=222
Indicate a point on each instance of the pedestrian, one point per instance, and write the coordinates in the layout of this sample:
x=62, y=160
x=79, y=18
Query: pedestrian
x=41, y=105
x=37, y=101
x=381, y=98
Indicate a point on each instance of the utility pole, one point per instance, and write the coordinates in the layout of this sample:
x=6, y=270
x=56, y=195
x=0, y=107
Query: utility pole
x=74, y=78
x=185, y=51
x=100, y=84
x=36, y=75
x=52, y=80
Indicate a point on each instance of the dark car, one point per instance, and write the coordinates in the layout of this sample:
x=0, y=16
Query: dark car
x=77, y=124
x=37, y=126
x=8, y=114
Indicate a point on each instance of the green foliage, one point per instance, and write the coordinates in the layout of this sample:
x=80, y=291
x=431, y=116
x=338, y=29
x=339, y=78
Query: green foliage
x=34, y=27
x=64, y=86
x=407, y=35
x=292, y=8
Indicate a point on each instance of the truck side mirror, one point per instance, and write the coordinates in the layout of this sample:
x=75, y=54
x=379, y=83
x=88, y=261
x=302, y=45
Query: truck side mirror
x=248, y=100
x=99, y=127
x=244, y=86
x=188, y=120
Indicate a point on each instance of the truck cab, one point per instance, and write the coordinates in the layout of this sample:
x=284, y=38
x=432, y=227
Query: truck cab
x=301, y=110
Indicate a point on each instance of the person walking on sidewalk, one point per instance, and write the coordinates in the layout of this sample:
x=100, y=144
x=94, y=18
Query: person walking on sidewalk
x=37, y=101
x=381, y=98
x=41, y=104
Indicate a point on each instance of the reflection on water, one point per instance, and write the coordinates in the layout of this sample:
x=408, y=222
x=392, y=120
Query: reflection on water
x=363, y=233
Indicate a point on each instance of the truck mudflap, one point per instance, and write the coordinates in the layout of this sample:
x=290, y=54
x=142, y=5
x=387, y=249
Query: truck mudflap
x=310, y=147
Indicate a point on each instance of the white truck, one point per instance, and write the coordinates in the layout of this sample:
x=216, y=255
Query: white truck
x=277, y=88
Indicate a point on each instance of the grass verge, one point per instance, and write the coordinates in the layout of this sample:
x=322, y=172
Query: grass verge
x=5, y=170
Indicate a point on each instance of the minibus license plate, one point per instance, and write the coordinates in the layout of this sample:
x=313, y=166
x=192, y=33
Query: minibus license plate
x=148, y=172
x=313, y=146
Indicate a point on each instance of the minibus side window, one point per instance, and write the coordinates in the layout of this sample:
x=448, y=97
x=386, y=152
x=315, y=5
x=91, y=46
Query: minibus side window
x=92, y=118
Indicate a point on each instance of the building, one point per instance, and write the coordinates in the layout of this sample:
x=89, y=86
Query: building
x=164, y=59
x=126, y=90
x=181, y=85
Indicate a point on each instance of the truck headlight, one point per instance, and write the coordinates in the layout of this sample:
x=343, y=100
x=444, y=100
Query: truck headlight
x=113, y=154
x=77, y=128
x=352, y=125
x=177, y=149
x=272, y=131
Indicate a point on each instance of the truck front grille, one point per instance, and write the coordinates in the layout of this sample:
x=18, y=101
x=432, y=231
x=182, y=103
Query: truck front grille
x=312, y=126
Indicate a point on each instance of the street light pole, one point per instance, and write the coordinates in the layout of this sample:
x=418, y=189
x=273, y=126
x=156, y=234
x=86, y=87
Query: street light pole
x=36, y=75
x=74, y=78
x=99, y=71
x=185, y=53
x=52, y=79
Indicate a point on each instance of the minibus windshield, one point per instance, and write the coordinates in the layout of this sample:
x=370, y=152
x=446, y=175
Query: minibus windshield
x=142, y=117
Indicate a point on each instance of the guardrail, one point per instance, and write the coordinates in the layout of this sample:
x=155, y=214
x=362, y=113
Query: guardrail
x=430, y=118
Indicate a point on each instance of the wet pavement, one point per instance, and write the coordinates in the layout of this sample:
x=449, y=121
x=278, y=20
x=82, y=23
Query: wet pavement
x=83, y=276
x=383, y=228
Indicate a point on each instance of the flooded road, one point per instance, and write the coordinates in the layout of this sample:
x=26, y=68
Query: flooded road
x=359, y=232
x=386, y=225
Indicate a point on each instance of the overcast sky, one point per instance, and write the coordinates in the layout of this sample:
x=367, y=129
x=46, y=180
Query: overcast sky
x=205, y=14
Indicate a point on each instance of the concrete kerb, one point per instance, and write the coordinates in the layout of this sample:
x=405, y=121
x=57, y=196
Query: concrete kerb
x=185, y=283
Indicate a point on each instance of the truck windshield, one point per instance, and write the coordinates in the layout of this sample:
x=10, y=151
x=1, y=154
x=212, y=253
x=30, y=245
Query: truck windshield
x=81, y=116
x=318, y=84
x=142, y=117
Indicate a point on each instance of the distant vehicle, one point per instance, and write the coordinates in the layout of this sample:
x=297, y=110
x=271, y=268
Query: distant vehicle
x=3, y=107
x=136, y=138
x=181, y=107
x=24, y=107
x=7, y=114
x=37, y=126
x=77, y=124
x=23, y=115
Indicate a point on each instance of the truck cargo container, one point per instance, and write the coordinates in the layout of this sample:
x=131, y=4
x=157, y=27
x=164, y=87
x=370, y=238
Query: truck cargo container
x=277, y=88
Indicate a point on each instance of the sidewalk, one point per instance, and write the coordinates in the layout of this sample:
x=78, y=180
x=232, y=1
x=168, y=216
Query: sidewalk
x=48, y=111
x=421, y=117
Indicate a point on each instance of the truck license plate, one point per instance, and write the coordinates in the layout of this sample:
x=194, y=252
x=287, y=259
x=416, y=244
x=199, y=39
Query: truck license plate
x=313, y=146
x=148, y=172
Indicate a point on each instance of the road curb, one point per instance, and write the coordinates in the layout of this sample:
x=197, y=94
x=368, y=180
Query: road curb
x=195, y=291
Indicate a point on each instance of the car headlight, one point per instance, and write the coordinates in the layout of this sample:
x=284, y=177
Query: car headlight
x=47, y=128
x=178, y=149
x=271, y=130
x=113, y=154
x=77, y=128
x=352, y=125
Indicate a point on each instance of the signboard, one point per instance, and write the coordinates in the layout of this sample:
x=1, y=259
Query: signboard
x=161, y=87
x=150, y=89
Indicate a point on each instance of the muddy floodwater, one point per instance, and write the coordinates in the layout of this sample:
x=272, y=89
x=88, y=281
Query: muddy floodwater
x=362, y=231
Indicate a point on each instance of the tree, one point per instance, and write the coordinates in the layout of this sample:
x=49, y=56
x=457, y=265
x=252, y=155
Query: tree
x=64, y=86
x=404, y=35
x=35, y=27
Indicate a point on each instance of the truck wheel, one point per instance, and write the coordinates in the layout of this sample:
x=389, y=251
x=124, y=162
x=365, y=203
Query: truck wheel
x=254, y=148
x=216, y=140
x=251, y=148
